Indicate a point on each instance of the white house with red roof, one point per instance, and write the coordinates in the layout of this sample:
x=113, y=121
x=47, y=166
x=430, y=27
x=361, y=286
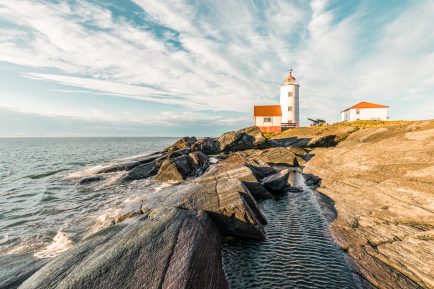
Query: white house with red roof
x=274, y=118
x=365, y=111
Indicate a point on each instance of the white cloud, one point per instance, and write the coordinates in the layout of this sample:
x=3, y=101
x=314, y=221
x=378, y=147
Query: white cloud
x=233, y=54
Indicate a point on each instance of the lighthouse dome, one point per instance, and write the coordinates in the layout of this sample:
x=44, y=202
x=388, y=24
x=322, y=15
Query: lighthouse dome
x=289, y=79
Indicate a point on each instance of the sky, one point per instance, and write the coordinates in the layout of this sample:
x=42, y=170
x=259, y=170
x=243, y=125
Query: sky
x=197, y=67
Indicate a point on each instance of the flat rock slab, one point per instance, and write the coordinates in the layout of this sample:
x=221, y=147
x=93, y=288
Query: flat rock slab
x=165, y=248
x=16, y=268
x=277, y=182
x=287, y=156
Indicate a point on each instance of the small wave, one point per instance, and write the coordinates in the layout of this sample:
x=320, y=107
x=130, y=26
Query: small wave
x=60, y=243
x=43, y=175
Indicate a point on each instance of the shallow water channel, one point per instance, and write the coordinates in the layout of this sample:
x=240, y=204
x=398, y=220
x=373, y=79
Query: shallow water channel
x=299, y=251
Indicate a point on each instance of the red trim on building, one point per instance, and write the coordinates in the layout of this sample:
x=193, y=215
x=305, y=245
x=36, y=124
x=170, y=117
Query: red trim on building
x=270, y=128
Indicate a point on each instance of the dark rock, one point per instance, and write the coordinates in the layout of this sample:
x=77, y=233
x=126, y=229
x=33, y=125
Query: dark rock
x=148, y=158
x=199, y=160
x=16, y=268
x=244, y=170
x=179, y=168
x=164, y=248
x=258, y=191
x=183, y=143
x=276, y=182
x=247, y=138
x=122, y=166
x=91, y=179
x=207, y=145
x=176, y=169
x=173, y=154
x=227, y=200
x=142, y=171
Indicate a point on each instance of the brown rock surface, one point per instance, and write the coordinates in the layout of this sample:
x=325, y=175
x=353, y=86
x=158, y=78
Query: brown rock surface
x=243, y=139
x=382, y=183
x=165, y=248
x=287, y=156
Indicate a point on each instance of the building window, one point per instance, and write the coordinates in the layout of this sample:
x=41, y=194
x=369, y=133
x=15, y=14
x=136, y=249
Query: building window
x=289, y=108
x=290, y=94
x=267, y=119
x=357, y=111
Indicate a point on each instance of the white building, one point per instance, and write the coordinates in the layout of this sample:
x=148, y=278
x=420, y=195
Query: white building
x=289, y=100
x=272, y=118
x=365, y=111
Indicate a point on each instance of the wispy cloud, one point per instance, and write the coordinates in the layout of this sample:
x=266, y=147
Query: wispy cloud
x=227, y=55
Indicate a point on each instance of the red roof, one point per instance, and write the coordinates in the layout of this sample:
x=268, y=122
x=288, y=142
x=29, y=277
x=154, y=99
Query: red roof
x=267, y=110
x=365, y=104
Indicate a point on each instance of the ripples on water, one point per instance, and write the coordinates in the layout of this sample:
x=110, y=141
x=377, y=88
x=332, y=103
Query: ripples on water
x=43, y=212
x=298, y=253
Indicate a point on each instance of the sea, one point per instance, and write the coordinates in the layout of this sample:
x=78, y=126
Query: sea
x=42, y=211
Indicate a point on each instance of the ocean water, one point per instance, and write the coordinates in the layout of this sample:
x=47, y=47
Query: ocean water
x=42, y=211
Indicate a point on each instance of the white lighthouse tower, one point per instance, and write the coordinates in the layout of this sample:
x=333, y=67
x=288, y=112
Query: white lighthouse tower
x=289, y=101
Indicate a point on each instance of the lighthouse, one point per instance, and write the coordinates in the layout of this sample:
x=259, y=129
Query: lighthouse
x=277, y=118
x=289, y=101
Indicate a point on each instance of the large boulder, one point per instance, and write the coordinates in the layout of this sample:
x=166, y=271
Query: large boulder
x=207, y=145
x=16, y=268
x=228, y=201
x=121, y=166
x=243, y=139
x=176, y=169
x=183, y=143
x=164, y=248
x=277, y=182
x=128, y=164
x=244, y=170
x=142, y=171
x=183, y=166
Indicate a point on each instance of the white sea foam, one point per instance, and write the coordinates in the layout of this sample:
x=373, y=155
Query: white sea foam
x=60, y=243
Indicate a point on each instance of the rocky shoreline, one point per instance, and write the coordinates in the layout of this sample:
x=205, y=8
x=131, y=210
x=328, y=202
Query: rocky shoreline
x=172, y=238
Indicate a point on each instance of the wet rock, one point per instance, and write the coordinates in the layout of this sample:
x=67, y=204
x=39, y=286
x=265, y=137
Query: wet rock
x=178, y=153
x=128, y=210
x=181, y=144
x=277, y=182
x=148, y=158
x=88, y=180
x=227, y=200
x=142, y=171
x=123, y=166
x=179, y=168
x=207, y=145
x=244, y=170
x=165, y=248
x=247, y=138
x=176, y=169
x=16, y=268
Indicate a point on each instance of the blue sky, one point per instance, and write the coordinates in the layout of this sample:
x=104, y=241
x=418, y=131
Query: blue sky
x=173, y=68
